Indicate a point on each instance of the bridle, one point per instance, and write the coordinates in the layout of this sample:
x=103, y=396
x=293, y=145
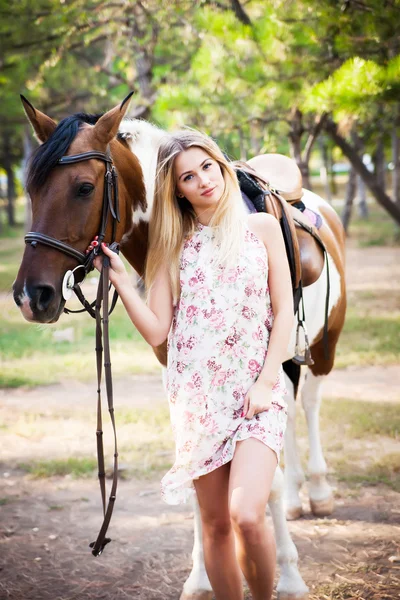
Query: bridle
x=99, y=309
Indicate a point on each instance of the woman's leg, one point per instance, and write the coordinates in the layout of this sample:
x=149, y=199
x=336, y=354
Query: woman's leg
x=218, y=538
x=252, y=471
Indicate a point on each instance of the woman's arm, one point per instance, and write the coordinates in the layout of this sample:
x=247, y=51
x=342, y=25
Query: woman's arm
x=152, y=320
x=280, y=287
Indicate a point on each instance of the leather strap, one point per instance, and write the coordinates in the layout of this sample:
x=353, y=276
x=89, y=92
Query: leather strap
x=75, y=158
x=33, y=237
x=101, y=313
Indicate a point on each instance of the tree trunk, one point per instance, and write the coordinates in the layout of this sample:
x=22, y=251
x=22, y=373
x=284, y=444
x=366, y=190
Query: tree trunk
x=379, y=194
x=325, y=170
x=27, y=151
x=8, y=167
x=295, y=134
x=396, y=167
x=10, y=195
x=379, y=163
x=351, y=189
x=363, y=211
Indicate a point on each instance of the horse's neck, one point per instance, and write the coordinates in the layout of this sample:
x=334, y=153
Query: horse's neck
x=143, y=139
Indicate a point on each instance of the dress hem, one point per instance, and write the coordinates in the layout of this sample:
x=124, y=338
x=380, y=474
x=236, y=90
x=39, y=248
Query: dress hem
x=188, y=491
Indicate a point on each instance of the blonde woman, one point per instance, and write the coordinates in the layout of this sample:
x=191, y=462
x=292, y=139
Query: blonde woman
x=218, y=287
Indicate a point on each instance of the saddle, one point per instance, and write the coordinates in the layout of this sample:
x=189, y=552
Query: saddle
x=286, y=206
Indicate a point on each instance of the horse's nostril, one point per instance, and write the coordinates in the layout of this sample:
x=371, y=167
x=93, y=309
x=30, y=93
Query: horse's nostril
x=44, y=295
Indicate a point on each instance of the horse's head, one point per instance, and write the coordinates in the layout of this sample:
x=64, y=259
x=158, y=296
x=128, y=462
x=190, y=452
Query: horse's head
x=67, y=202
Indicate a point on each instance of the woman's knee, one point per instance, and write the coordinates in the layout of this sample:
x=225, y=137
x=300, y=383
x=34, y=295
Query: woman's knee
x=248, y=522
x=216, y=527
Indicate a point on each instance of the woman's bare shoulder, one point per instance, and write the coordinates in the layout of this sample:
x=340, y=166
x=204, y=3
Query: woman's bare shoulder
x=262, y=225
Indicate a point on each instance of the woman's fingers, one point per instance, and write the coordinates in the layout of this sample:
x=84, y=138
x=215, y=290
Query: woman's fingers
x=246, y=405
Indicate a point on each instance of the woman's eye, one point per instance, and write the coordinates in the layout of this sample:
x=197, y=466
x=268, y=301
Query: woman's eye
x=207, y=165
x=85, y=189
x=187, y=178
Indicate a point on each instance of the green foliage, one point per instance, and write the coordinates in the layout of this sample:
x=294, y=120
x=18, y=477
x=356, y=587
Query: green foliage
x=77, y=467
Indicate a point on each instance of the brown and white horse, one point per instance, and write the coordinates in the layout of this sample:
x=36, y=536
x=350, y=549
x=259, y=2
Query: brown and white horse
x=66, y=205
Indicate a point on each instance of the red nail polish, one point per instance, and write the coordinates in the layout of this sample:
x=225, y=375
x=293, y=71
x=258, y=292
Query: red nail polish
x=95, y=243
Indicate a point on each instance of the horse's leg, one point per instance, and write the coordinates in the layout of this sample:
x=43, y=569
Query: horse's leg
x=197, y=586
x=294, y=475
x=290, y=585
x=320, y=492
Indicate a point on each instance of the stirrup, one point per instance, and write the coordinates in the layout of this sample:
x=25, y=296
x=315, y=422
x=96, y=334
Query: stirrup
x=298, y=358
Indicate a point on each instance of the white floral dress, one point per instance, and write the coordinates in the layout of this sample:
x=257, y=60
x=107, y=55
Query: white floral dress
x=216, y=349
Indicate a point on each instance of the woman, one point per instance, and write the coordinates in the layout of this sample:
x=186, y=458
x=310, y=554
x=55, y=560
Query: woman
x=218, y=287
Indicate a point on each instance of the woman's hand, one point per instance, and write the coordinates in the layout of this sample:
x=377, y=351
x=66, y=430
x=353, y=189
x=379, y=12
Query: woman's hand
x=257, y=399
x=118, y=274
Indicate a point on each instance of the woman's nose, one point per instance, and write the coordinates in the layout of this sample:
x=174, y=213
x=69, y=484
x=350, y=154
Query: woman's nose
x=204, y=180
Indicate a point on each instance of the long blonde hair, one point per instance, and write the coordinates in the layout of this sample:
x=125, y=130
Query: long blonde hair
x=173, y=219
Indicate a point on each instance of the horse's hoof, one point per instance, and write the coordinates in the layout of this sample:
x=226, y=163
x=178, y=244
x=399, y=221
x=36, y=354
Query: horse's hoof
x=286, y=596
x=293, y=513
x=322, y=508
x=202, y=595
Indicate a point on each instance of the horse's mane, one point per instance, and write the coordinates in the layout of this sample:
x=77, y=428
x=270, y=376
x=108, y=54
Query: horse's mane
x=46, y=156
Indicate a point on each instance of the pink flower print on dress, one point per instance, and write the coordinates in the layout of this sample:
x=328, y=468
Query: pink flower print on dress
x=217, y=319
x=200, y=275
x=187, y=446
x=197, y=380
x=219, y=378
x=248, y=313
x=258, y=335
x=191, y=311
x=191, y=255
x=192, y=340
x=193, y=281
x=230, y=275
x=212, y=365
x=202, y=293
x=254, y=366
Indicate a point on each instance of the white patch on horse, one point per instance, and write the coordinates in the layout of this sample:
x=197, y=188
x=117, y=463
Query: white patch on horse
x=313, y=201
x=143, y=139
x=24, y=304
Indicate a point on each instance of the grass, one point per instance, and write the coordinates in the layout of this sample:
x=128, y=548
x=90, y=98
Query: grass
x=361, y=419
x=385, y=470
x=77, y=467
x=369, y=337
x=30, y=356
x=344, y=423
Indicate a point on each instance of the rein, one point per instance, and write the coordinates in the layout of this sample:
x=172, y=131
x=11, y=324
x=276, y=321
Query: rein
x=99, y=309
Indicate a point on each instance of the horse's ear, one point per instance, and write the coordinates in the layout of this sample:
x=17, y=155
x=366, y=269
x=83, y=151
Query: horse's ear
x=107, y=126
x=43, y=125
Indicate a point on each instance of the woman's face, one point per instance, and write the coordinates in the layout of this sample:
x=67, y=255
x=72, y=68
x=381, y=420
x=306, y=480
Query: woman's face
x=199, y=179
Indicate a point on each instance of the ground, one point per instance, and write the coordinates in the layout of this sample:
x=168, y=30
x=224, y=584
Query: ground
x=48, y=520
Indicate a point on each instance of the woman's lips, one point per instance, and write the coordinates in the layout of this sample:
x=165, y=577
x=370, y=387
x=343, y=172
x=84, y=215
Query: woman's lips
x=208, y=192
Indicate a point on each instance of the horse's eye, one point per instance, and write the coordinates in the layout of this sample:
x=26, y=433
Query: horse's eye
x=85, y=189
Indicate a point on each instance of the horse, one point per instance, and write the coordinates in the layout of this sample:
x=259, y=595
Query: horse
x=67, y=205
